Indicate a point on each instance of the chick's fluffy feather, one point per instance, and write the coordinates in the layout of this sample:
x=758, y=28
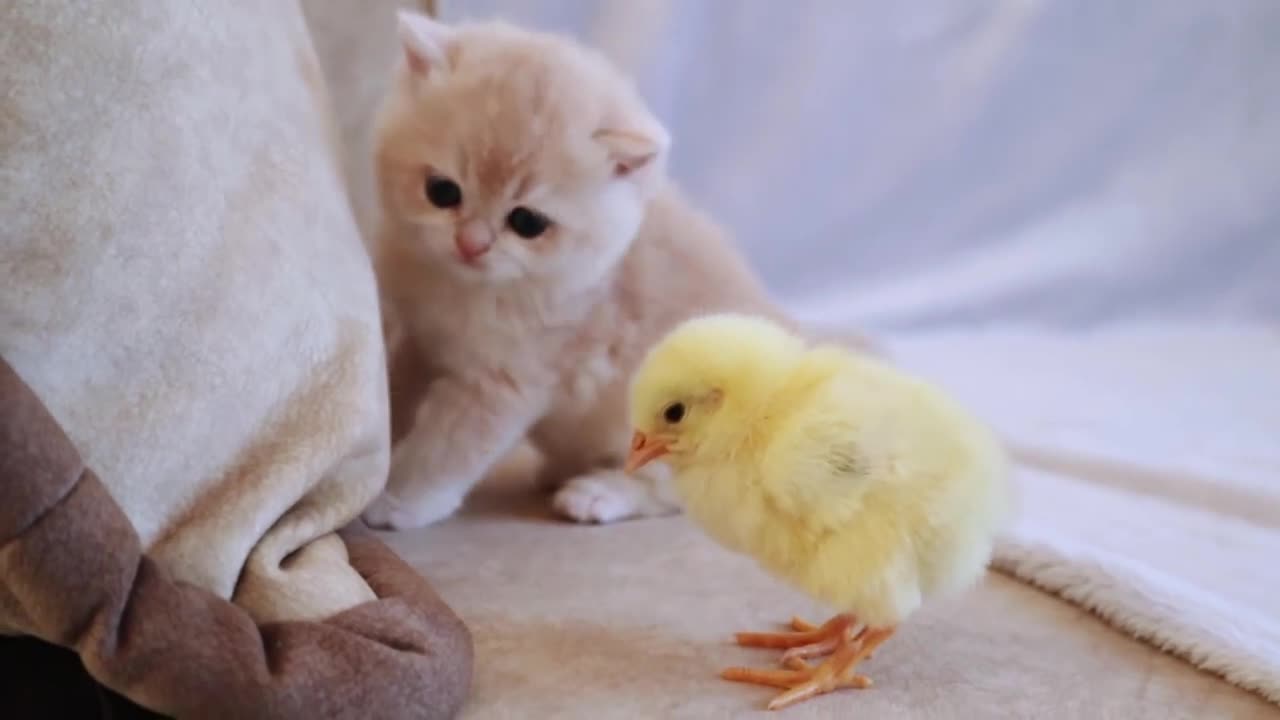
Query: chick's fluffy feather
x=869, y=489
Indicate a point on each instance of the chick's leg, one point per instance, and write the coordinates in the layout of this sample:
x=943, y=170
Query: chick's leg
x=837, y=672
x=795, y=657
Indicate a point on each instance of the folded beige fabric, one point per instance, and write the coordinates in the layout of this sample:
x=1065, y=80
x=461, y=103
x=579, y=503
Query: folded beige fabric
x=183, y=285
x=72, y=566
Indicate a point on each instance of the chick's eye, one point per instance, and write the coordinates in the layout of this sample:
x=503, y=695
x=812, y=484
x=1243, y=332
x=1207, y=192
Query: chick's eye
x=443, y=192
x=527, y=223
x=674, y=413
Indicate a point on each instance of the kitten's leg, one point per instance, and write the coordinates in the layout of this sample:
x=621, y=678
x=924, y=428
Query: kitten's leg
x=408, y=377
x=461, y=430
x=608, y=494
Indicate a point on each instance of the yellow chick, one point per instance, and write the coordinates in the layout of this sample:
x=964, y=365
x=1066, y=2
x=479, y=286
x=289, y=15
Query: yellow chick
x=868, y=489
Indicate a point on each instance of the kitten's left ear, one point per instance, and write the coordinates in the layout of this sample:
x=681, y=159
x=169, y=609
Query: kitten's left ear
x=425, y=43
x=633, y=148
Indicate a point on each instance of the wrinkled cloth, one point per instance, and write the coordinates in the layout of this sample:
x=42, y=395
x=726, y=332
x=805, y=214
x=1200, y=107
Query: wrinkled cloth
x=74, y=568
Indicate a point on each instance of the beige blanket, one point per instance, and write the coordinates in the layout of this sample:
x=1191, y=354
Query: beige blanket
x=182, y=284
x=193, y=396
x=635, y=620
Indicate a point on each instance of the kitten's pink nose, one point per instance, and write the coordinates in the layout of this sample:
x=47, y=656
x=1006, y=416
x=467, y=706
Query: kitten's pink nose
x=473, y=240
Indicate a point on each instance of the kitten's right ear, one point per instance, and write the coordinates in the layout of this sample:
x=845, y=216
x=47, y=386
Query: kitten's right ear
x=424, y=42
x=631, y=150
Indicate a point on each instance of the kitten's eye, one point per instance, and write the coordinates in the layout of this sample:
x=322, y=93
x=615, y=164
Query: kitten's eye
x=527, y=223
x=674, y=413
x=443, y=192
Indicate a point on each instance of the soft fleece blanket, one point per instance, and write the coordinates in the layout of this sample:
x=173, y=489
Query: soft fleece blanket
x=1148, y=478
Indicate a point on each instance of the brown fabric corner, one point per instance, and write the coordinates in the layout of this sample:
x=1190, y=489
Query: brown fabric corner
x=73, y=564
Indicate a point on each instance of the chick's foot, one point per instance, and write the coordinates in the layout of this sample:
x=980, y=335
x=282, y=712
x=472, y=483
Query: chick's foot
x=807, y=640
x=794, y=658
x=836, y=673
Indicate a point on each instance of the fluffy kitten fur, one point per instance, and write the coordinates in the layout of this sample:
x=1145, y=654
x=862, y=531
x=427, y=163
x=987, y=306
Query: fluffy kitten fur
x=534, y=337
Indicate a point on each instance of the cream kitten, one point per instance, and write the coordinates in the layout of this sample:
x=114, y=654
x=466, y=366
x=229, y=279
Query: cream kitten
x=531, y=250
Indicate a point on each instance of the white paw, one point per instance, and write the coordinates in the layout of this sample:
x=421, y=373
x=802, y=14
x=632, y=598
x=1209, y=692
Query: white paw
x=600, y=497
x=606, y=496
x=388, y=512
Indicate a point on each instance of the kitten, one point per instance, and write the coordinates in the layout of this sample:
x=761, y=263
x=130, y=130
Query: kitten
x=531, y=249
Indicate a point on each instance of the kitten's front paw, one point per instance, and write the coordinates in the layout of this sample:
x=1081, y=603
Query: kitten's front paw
x=595, y=498
x=606, y=496
x=388, y=512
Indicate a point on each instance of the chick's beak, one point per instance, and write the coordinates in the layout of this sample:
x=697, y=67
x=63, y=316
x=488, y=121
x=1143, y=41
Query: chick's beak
x=644, y=450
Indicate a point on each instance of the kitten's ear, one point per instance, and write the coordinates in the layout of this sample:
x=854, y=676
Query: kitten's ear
x=425, y=43
x=633, y=148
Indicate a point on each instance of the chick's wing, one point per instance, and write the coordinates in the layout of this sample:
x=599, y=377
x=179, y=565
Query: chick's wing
x=815, y=467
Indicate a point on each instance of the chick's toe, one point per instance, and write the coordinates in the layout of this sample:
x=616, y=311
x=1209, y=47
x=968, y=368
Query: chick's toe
x=773, y=678
x=804, y=635
x=799, y=624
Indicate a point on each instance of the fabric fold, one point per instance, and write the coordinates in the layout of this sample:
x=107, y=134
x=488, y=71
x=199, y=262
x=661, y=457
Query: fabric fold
x=73, y=567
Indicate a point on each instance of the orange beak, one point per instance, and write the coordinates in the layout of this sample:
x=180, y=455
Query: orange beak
x=644, y=450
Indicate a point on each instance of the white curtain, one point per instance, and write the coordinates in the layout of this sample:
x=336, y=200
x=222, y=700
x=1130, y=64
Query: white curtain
x=1061, y=163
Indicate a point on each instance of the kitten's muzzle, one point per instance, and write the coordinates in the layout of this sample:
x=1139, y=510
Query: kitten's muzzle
x=473, y=240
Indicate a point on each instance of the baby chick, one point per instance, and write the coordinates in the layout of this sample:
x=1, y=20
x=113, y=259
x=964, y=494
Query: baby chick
x=868, y=489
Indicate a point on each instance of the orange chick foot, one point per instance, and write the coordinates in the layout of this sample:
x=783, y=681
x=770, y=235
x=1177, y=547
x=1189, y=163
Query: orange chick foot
x=794, y=658
x=806, y=640
x=808, y=682
x=838, y=672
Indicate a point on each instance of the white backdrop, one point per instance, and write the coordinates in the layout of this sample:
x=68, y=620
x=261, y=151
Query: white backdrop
x=937, y=163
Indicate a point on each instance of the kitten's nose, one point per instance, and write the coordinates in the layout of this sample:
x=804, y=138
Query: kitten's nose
x=473, y=239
